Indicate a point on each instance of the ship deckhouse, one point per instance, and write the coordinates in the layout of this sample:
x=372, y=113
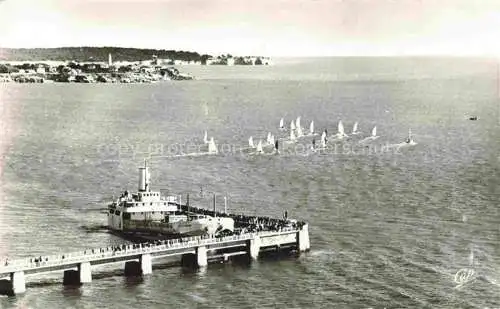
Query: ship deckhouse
x=145, y=205
x=147, y=212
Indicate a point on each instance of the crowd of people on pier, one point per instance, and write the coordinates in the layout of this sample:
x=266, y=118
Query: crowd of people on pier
x=251, y=224
x=168, y=242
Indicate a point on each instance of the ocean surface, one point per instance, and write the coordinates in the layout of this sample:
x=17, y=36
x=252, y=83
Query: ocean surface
x=389, y=227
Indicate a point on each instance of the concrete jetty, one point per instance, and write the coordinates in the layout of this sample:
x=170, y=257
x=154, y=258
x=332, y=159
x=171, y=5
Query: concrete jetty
x=195, y=252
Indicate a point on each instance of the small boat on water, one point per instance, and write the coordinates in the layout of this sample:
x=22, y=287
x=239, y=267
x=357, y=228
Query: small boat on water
x=313, y=145
x=276, y=150
x=311, y=128
x=299, y=131
x=297, y=123
x=205, y=138
x=340, y=132
x=293, y=138
x=355, y=129
x=409, y=140
x=270, y=139
x=250, y=142
x=212, y=147
x=323, y=139
x=282, y=124
x=372, y=137
x=259, y=148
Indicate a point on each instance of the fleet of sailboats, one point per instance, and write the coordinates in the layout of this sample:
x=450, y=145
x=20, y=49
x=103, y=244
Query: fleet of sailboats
x=296, y=132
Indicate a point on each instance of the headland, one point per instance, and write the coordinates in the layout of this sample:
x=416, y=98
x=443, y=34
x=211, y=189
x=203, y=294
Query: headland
x=106, y=64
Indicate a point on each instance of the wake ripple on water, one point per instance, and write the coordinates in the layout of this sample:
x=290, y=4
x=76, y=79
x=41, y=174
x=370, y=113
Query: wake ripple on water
x=197, y=298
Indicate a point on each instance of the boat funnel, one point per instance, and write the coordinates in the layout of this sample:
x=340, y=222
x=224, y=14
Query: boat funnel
x=143, y=178
x=215, y=207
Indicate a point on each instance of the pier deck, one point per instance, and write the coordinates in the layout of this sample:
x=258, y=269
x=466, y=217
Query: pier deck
x=195, y=252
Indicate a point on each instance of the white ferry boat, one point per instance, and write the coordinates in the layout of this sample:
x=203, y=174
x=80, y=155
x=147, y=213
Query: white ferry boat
x=149, y=215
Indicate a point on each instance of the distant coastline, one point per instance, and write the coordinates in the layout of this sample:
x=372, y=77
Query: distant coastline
x=106, y=64
x=122, y=54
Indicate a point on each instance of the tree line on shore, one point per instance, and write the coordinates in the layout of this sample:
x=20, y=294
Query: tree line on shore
x=96, y=54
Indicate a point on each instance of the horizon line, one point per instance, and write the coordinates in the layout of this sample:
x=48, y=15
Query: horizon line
x=393, y=55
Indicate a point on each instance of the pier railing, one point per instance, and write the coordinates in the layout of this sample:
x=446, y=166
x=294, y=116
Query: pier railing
x=90, y=255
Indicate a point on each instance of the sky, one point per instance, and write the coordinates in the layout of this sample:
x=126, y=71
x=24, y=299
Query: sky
x=259, y=27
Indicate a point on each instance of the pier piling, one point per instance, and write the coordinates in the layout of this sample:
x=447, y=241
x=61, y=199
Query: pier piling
x=303, y=243
x=201, y=256
x=146, y=264
x=253, y=248
x=197, y=260
x=16, y=284
x=77, y=277
x=138, y=268
x=85, y=272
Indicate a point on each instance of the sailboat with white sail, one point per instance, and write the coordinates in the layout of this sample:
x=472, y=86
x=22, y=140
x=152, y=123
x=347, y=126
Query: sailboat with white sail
x=282, y=124
x=340, y=131
x=299, y=131
x=270, y=141
x=276, y=150
x=205, y=138
x=212, y=147
x=322, y=144
x=259, y=148
x=323, y=140
x=293, y=138
x=313, y=145
x=355, y=129
x=372, y=137
x=311, y=129
x=250, y=142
